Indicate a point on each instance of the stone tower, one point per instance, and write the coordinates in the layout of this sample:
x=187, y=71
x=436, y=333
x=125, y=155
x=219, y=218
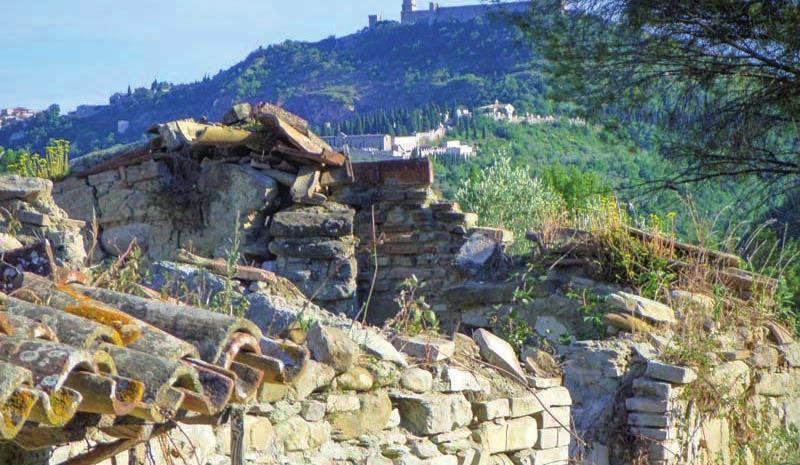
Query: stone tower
x=409, y=6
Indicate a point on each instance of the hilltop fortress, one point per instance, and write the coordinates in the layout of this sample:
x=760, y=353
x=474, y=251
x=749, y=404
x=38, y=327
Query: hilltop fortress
x=411, y=15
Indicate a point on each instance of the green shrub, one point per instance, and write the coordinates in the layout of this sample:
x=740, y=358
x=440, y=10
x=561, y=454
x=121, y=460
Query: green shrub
x=509, y=197
x=53, y=165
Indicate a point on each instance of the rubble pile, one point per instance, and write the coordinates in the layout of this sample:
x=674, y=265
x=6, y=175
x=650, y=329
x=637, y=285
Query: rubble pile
x=81, y=362
x=28, y=214
x=196, y=185
x=260, y=211
x=271, y=139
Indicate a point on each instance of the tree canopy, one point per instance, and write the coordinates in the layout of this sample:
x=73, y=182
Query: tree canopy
x=720, y=76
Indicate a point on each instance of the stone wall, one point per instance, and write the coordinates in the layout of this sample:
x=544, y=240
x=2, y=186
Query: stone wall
x=328, y=250
x=404, y=229
x=365, y=399
x=359, y=247
x=165, y=204
x=315, y=249
x=28, y=214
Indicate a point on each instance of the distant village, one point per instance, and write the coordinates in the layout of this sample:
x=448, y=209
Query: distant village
x=371, y=147
x=434, y=143
x=13, y=115
x=410, y=14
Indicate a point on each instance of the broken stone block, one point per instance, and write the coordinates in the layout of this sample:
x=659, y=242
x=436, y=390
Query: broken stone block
x=507, y=436
x=474, y=456
x=734, y=375
x=646, y=404
x=425, y=448
x=670, y=373
x=655, y=434
x=652, y=420
x=332, y=346
x=497, y=234
x=473, y=293
x=374, y=343
x=491, y=409
x=312, y=410
x=543, y=383
x=433, y=414
x=456, y=380
x=777, y=384
x=22, y=188
x=479, y=255
x=296, y=434
x=540, y=363
x=394, y=419
x=417, y=380
x=548, y=438
x=355, y=379
x=316, y=248
x=650, y=388
x=498, y=352
x=451, y=436
x=8, y=242
x=330, y=220
x=649, y=310
x=521, y=406
x=342, y=403
x=238, y=113
x=556, y=456
x=34, y=218
x=554, y=417
x=117, y=240
x=764, y=357
x=369, y=417
x=425, y=347
x=790, y=352
x=692, y=300
x=175, y=279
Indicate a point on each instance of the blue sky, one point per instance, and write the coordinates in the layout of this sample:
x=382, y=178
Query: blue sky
x=72, y=52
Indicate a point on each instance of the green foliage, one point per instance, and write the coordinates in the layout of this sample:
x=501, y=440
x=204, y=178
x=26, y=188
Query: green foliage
x=591, y=309
x=326, y=81
x=780, y=256
x=509, y=197
x=415, y=316
x=576, y=187
x=229, y=301
x=580, y=162
x=53, y=165
x=716, y=78
x=123, y=274
x=512, y=328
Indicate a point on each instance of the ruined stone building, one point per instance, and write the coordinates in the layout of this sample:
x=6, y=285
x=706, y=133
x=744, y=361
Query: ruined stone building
x=327, y=359
x=410, y=14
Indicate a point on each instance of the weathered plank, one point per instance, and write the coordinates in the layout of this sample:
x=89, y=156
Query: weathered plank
x=247, y=273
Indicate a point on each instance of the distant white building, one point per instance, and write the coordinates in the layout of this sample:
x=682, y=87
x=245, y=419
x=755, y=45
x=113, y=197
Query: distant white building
x=456, y=149
x=10, y=115
x=498, y=111
x=122, y=126
x=403, y=145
